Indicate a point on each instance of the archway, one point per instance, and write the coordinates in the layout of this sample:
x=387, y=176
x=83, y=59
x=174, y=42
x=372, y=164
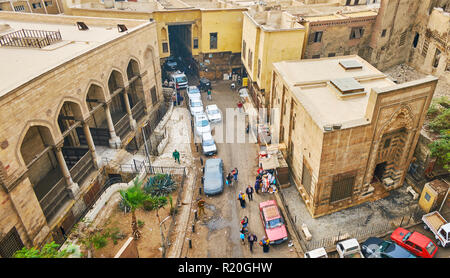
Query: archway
x=43, y=169
x=95, y=101
x=118, y=105
x=135, y=91
x=75, y=150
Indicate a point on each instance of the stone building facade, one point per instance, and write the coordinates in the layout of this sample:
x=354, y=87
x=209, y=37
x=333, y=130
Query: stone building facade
x=32, y=6
x=88, y=88
x=349, y=132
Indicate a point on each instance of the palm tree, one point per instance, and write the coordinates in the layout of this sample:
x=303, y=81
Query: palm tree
x=134, y=197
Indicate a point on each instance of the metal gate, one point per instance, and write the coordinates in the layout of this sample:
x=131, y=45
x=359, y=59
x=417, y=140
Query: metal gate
x=342, y=187
x=10, y=244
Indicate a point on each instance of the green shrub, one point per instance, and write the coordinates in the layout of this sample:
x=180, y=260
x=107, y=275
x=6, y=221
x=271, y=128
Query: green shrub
x=441, y=149
x=441, y=122
x=99, y=240
x=160, y=185
x=49, y=250
x=140, y=223
x=155, y=202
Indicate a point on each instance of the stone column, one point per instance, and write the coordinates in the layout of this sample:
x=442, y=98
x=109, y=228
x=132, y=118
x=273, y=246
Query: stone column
x=90, y=142
x=62, y=164
x=114, y=140
x=128, y=108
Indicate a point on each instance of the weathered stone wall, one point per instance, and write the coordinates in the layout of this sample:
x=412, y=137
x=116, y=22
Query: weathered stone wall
x=38, y=102
x=336, y=37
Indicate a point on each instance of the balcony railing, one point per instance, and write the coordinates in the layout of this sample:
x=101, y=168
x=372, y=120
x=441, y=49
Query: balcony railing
x=123, y=126
x=82, y=168
x=138, y=111
x=30, y=38
x=54, y=199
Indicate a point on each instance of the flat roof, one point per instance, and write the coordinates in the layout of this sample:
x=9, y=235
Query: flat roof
x=25, y=64
x=310, y=82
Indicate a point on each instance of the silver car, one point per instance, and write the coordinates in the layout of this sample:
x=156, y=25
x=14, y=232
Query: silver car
x=213, y=177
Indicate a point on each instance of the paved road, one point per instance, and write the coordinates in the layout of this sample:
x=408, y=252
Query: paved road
x=223, y=236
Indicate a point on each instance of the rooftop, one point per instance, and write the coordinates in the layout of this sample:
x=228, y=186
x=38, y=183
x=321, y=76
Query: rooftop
x=311, y=82
x=25, y=63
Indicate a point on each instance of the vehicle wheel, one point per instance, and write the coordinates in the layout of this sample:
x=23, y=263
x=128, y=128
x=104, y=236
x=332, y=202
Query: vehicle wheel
x=439, y=243
x=425, y=227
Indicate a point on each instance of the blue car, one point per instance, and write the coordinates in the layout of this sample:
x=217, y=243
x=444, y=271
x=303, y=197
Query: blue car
x=213, y=176
x=375, y=247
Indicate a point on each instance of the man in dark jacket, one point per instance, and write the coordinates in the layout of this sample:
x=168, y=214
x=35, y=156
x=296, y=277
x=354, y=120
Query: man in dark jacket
x=251, y=239
x=249, y=192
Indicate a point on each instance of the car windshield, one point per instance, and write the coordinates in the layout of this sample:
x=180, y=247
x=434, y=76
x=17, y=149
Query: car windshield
x=274, y=223
x=196, y=104
x=430, y=248
x=407, y=236
x=181, y=79
x=202, y=123
x=385, y=245
x=212, y=112
x=208, y=143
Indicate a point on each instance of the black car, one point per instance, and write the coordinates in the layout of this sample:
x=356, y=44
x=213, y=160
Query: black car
x=375, y=247
x=171, y=64
x=205, y=84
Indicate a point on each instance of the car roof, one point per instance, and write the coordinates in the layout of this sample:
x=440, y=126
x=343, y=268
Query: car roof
x=271, y=212
x=419, y=239
x=193, y=88
x=200, y=116
x=212, y=162
x=212, y=107
x=349, y=243
x=319, y=252
x=207, y=136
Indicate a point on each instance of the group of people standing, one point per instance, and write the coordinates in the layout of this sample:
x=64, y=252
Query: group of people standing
x=251, y=237
x=265, y=181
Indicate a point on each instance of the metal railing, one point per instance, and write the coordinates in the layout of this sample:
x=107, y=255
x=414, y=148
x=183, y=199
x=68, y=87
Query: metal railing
x=82, y=168
x=123, y=126
x=50, y=202
x=30, y=38
x=137, y=166
x=138, y=110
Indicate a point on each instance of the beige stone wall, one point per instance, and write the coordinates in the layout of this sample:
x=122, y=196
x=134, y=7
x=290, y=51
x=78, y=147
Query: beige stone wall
x=433, y=35
x=357, y=149
x=38, y=103
x=297, y=126
x=397, y=17
x=336, y=37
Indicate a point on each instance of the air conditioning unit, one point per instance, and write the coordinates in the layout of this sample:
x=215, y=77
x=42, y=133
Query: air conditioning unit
x=337, y=126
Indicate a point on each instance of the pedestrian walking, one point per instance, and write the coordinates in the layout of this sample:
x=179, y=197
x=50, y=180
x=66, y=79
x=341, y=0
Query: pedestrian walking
x=249, y=192
x=241, y=199
x=265, y=244
x=242, y=236
x=201, y=206
x=239, y=105
x=174, y=99
x=209, y=94
x=235, y=174
x=176, y=156
x=244, y=222
x=229, y=179
x=251, y=239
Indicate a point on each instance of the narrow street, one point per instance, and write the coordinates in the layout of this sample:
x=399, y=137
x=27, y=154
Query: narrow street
x=218, y=234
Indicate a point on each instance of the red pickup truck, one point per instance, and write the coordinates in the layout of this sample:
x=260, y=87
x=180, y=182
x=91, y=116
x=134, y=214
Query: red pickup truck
x=415, y=243
x=273, y=222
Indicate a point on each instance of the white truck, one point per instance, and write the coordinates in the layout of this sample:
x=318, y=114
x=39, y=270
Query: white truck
x=438, y=226
x=349, y=249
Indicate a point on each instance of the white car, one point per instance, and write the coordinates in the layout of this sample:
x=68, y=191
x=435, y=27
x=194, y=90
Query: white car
x=193, y=92
x=196, y=106
x=201, y=124
x=208, y=144
x=213, y=113
x=179, y=80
